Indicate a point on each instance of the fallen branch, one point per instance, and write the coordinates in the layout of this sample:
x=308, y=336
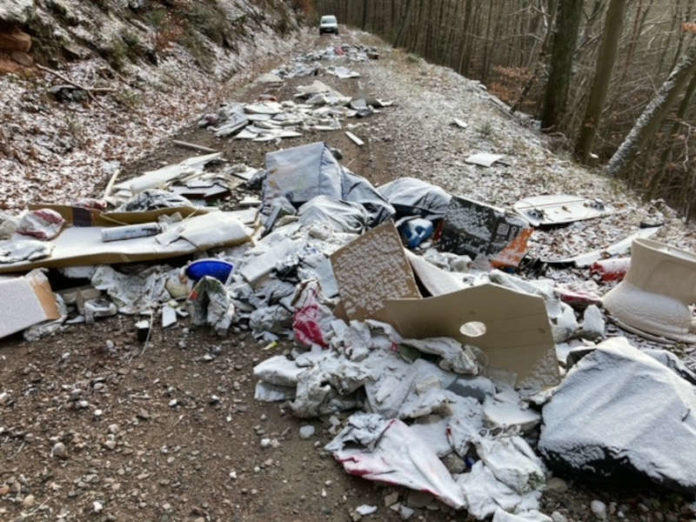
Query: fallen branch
x=89, y=90
x=193, y=146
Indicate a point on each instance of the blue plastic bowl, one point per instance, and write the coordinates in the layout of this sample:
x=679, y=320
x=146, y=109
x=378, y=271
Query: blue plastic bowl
x=216, y=268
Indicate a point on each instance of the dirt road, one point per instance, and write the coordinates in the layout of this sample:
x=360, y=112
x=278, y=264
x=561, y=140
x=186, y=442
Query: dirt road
x=94, y=427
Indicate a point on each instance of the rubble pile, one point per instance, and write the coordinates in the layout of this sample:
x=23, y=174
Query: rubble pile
x=415, y=315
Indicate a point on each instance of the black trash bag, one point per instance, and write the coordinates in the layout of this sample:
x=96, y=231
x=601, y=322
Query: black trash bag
x=413, y=197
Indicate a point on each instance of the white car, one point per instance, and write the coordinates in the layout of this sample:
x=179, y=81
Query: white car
x=328, y=24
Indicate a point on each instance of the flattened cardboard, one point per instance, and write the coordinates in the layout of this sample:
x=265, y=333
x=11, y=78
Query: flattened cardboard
x=24, y=302
x=372, y=269
x=474, y=229
x=518, y=333
x=84, y=217
x=77, y=246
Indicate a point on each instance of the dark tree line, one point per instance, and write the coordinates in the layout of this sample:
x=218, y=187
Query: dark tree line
x=615, y=78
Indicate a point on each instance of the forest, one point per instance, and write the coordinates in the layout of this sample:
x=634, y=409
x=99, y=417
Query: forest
x=611, y=80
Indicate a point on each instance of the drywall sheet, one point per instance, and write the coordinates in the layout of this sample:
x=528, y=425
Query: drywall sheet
x=517, y=333
x=25, y=301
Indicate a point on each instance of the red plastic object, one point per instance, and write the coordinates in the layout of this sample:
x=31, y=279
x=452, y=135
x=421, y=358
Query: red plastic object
x=612, y=269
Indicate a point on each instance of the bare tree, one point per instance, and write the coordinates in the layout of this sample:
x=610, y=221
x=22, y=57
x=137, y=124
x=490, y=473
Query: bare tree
x=653, y=114
x=600, y=84
x=564, y=39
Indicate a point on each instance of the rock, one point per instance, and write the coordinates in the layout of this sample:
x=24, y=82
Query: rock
x=59, y=451
x=97, y=506
x=110, y=444
x=556, y=485
x=306, y=431
x=28, y=501
x=558, y=517
x=454, y=463
x=391, y=499
x=366, y=509
x=599, y=509
x=15, y=40
x=622, y=415
x=16, y=11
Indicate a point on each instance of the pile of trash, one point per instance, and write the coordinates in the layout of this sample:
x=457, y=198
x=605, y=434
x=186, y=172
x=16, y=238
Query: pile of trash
x=319, y=106
x=415, y=313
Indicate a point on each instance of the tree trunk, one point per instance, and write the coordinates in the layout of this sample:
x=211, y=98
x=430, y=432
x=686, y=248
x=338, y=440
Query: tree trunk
x=600, y=84
x=653, y=114
x=567, y=26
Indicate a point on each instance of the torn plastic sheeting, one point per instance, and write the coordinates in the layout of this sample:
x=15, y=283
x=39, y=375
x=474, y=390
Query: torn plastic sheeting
x=153, y=199
x=312, y=319
x=132, y=293
x=414, y=197
x=513, y=462
x=455, y=357
x=329, y=387
x=517, y=333
x=266, y=392
x=394, y=455
x=42, y=224
x=156, y=178
x=394, y=380
x=302, y=173
x=343, y=216
x=477, y=229
x=278, y=370
x=210, y=304
x=78, y=246
x=275, y=319
x=533, y=515
x=24, y=250
x=484, y=494
x=506, y=414
x=358, y=190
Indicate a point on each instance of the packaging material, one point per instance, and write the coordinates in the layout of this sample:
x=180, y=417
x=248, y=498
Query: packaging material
x=302, y=173
x=343, y=216
x=130, y=232
x=390, y=453
x=83, y=245
x=26, y=301
x=42, y=224
x=153, y=199
x=312, y=318
x=357, y=189
x=23, y=251
x=8, y=225
x=211, y=305
x=560, y=209
x=621, y=416
x=133, y=293
x=159, y=177
x=414, y=197
x=511, y=327
x=612, y=269
x=372, y=269
x=477, y=229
